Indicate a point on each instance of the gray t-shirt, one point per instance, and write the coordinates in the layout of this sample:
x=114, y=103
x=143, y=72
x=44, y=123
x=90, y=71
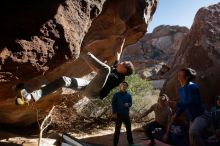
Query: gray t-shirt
x=162, y=114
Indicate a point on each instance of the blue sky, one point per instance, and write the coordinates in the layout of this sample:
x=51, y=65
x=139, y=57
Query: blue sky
x=177, y=12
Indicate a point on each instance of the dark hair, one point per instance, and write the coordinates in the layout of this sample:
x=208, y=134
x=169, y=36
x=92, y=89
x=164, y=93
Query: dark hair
x=215, y=98
x=166, y=97
x=130, y=67
x=124, y=82
x=189, y=72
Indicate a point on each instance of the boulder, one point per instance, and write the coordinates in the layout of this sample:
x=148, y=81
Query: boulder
x=41, y=40
x=200, y=50
x=156, y=48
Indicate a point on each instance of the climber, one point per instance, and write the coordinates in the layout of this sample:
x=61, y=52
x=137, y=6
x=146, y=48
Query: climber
x=105, y=80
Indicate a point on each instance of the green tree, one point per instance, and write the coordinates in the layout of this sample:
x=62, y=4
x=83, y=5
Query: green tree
x=100, y=110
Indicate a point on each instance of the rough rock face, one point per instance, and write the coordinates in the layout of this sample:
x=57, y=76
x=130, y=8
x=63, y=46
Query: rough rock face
x=200, y=50
x=159, y=46
x=40, y=41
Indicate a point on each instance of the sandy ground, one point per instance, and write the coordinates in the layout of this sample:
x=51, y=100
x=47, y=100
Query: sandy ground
x=103, y=137
x=106, y=138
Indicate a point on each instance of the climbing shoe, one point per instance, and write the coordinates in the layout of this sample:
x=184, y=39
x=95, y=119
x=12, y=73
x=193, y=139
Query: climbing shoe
x=23, y=97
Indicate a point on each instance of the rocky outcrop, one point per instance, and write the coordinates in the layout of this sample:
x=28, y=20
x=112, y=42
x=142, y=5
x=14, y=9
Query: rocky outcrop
x=41, y=40
x=200, y=50
x=156, y=48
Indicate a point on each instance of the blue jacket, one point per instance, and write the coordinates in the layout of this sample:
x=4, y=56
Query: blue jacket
x=118, y=101
x=190, y=100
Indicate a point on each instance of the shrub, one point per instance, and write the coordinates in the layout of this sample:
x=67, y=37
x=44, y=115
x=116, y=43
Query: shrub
x=141, y=91
x=86, y=114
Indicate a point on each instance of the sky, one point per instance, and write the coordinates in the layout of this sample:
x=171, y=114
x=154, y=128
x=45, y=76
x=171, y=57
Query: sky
x=177, y=12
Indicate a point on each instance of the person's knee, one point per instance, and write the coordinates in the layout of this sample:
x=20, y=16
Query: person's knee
x=66, y=81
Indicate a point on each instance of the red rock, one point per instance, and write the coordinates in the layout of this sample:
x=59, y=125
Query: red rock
x=155, y=48
x=40, y=41
x=200, y=50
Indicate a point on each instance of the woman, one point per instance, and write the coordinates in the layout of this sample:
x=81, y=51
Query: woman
x=190, y=101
